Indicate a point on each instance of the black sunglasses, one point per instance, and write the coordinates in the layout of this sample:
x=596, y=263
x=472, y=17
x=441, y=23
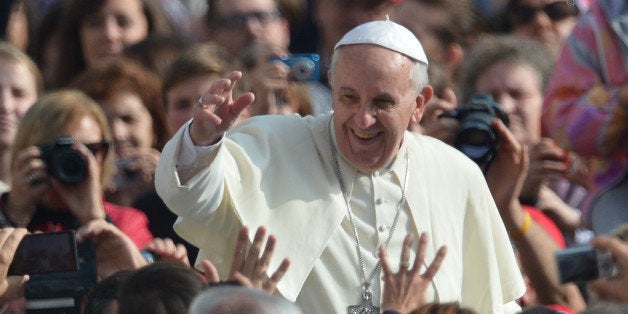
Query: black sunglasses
x=98, y=147
x=556, y=11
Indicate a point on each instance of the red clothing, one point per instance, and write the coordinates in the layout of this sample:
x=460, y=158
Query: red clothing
x=546, y=223
x=131, y=221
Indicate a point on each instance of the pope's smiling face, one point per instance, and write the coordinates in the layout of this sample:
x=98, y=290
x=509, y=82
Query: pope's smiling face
x=374, y=100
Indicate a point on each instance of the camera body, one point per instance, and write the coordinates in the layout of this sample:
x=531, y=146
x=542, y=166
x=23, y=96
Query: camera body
x=303, y=67
x=48, y=252
x=62, y=292
x=476, y=137
x=64, y=162
x=584, y=263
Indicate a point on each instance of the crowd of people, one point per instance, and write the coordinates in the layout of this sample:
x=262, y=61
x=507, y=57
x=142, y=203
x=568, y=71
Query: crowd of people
x=393, y=156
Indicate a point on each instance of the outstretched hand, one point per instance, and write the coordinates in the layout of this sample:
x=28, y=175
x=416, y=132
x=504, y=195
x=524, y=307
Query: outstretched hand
x=406, y=290
x=169, y=251
x=115, y=251
x=217, y=110
x=248, y=267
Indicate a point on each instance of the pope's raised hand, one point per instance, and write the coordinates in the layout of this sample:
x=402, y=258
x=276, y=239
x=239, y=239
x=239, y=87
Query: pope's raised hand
x=217, y=110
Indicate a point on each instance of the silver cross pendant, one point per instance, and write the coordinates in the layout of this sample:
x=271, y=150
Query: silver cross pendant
x=365, y=307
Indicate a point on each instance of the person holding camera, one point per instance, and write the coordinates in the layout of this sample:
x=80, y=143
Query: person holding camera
x=274, y=76
x=61, y=160
x=513, y=71
x=339, y=186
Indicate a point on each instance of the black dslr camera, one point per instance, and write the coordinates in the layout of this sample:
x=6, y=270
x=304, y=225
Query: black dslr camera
x=476, y=138
x=63, y=161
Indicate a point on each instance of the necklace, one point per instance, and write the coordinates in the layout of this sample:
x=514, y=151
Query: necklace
x=367, y=296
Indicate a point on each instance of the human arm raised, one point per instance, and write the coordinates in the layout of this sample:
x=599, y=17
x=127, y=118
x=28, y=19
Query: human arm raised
x=536, y=248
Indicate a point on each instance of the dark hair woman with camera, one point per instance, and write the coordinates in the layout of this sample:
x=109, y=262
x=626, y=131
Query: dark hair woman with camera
x=61, y=159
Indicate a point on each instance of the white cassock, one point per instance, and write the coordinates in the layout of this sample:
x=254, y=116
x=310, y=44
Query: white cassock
x=278, y=171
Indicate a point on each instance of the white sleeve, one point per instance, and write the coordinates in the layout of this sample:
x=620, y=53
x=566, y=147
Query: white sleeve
x=512, y=307
x=189, y=155
x=190, y=179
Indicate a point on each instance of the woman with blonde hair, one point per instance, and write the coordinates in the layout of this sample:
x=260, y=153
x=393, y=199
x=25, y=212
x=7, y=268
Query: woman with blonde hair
x=20, y=85
x=61, y=160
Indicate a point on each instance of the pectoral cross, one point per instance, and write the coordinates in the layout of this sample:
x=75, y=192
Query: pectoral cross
x=365, y=307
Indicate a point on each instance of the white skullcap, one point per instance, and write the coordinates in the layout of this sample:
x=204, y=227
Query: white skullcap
x=386, y=34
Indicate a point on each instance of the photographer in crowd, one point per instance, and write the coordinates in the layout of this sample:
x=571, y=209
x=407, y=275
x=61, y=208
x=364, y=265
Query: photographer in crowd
x=513, y=71
x=61, y=160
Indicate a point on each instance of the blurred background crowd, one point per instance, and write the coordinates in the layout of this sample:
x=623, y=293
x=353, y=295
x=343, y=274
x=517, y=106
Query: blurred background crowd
x=122, y=76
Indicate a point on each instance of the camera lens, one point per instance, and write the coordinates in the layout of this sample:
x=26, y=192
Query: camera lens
x=475, y=144
x=302, y=69
x=68, y=166
x=476, y=138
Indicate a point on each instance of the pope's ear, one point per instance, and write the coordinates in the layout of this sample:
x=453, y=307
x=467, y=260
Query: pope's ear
x=421, y=101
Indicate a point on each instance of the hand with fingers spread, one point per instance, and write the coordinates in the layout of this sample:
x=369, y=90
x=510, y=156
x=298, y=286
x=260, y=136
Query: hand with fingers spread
x=405, y=290
x=168, y=251
x=218, y=110
x=11, y=287
x=249, y=268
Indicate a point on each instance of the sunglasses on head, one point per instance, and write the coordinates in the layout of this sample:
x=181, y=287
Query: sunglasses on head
x=98, y=147
x=556, y=11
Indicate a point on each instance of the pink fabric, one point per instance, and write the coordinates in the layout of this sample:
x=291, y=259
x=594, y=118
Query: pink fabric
x=581, y=109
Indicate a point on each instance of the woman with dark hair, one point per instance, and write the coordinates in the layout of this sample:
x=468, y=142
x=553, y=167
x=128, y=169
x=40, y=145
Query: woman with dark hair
x=91, y=30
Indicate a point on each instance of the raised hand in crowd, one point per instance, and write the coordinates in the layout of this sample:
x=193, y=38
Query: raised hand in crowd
x=115, y=251
x=550, y=162
x=508, y=170
x=249, y=268
x=135, y=167
x=405, y=290
x=11, y=287
x=432, y=125
x=168, y=251
x=218, y=110
x=535, y=247
x=613, y=289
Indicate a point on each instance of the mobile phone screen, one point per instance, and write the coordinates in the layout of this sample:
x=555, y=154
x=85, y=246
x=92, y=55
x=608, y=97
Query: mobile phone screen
x=49, y=252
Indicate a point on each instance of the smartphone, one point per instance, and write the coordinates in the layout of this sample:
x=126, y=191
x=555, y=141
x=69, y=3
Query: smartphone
x=585, y=263
x=41, y=253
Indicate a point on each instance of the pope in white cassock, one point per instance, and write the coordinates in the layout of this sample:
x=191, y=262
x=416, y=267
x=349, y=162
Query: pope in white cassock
x=333, y=188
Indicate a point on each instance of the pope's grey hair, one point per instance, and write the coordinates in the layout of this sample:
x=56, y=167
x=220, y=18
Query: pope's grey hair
x=238, y=299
